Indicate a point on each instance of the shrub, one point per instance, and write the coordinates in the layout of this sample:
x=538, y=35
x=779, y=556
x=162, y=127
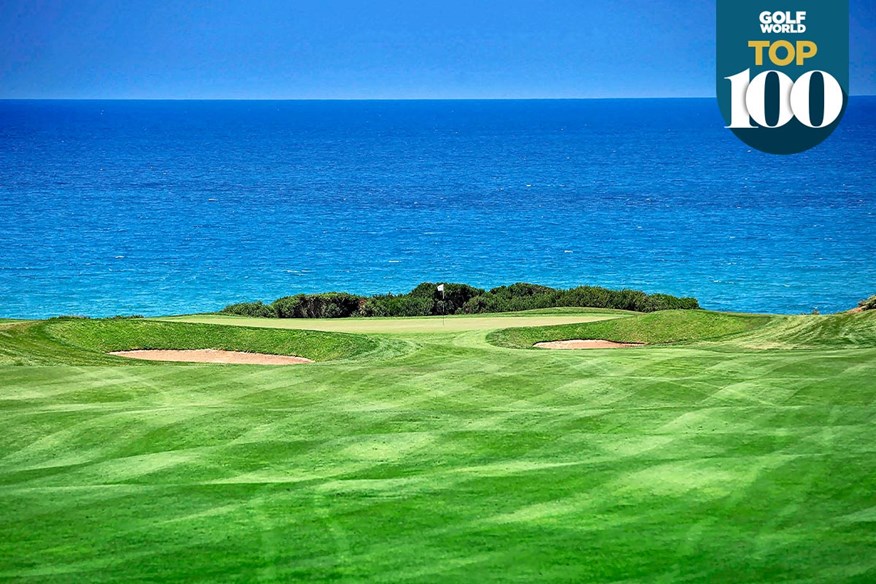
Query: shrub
x=391, y=305
x=666, y=302
x=451, y=301
x=519, y=296
x=523, y=296
x=330, y=305
x=252, y=309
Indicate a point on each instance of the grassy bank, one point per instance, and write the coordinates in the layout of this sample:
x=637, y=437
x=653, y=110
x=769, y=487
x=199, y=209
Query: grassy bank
x=435, y=455
x=836, y=331
x=86, y=342
x=654, y=328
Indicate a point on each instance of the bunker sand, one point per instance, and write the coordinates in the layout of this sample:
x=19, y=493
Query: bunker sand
x=212, y=356
x=578, y=344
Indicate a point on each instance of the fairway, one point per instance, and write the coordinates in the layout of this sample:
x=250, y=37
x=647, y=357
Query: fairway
x=733, y=448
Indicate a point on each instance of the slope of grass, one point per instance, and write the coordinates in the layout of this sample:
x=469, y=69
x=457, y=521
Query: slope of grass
x=451, y=461
x=835, y=331
x=86, y=342
x=28, y=343
x=654, y=328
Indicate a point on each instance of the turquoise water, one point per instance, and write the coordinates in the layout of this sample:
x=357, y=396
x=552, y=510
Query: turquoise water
x=172, y=207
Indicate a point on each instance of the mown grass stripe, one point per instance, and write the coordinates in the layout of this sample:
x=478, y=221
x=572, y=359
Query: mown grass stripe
x=446, y=457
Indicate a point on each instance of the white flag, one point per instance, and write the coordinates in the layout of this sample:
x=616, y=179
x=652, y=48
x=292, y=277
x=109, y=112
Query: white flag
x=441, y=287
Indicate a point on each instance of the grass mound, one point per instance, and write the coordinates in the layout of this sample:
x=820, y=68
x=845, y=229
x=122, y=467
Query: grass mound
x=674, y=326
x=28, y=343
x=835, y=331
x=86, y=342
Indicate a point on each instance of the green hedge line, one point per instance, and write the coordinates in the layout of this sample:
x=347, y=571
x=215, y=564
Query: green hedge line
x=426, y=300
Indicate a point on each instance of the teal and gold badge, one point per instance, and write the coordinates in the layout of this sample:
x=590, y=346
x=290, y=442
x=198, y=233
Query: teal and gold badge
x=783, y=71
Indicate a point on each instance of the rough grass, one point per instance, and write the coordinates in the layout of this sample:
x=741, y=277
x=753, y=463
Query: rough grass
x=654, y=328
x=452, y=460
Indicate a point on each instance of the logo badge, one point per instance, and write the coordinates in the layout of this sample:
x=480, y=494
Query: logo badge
x=783, y=71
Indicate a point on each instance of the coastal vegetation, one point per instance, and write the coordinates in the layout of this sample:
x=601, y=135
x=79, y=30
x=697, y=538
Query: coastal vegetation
x=426, y=300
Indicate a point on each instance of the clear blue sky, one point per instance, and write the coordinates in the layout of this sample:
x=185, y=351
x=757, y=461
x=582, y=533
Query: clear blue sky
x=288, y=49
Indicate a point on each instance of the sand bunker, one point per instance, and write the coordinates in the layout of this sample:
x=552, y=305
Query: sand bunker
x=582, y=344
x=212, y=356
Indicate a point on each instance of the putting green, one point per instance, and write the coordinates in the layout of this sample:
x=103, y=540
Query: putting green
x=431, y=324
x=746, y=453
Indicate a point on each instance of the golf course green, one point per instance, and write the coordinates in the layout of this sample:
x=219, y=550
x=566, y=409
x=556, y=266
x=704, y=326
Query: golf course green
x=728, y=448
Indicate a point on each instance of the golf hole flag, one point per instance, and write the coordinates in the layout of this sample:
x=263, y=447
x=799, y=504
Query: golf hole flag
x=783, y=71
x=441, y=288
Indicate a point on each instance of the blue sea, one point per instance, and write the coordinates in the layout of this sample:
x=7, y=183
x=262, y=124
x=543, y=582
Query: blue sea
x=183, y=206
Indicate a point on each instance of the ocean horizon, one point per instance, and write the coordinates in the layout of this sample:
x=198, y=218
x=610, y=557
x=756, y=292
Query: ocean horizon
x=160, y=207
